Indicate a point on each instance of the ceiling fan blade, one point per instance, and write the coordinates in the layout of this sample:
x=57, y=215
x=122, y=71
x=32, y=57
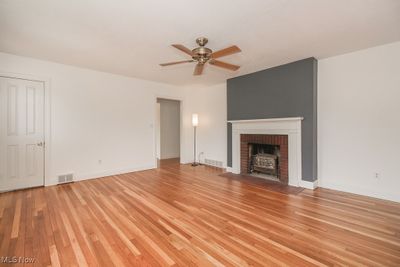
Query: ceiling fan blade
x=224, y=65
x=183, y=48
x=176, y=62
x=226, y=52
x=198, y=70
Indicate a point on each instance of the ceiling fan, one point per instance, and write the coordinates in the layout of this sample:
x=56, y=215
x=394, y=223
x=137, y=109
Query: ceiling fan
x=202, y=55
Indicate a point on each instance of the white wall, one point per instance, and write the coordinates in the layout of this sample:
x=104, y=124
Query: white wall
x=96, y=116
x=210, y=104
x=169, y=128
x=359, y=122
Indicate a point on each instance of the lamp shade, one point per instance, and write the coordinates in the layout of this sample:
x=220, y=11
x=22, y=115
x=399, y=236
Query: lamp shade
x=195, y=119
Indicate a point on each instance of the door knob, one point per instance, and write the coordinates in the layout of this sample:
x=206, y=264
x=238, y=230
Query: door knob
x=40, y=144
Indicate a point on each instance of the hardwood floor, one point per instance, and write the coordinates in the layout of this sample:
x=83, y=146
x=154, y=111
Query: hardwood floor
x=183, y=216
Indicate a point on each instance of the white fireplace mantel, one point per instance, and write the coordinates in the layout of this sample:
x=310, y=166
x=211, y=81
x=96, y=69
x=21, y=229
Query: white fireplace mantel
x=267, y=120
x=281, y=126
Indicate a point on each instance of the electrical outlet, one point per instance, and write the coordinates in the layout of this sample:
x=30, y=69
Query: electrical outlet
x=377, y=175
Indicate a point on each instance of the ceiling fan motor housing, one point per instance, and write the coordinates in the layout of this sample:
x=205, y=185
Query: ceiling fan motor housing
x=201, y=54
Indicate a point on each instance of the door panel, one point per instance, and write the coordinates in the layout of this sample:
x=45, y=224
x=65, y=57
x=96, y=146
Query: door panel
x=30, y=110
x=21, y=133
x=12, y=109
x=12, y=161
x=30, y=159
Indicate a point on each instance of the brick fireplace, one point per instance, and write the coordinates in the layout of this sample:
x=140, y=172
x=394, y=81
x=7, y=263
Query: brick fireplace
x=277, y=142
x=282, y=132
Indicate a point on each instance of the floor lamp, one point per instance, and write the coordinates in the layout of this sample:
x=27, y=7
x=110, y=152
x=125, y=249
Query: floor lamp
x=195, y=123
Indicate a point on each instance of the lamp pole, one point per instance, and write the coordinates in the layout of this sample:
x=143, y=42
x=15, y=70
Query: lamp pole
x=194, y=147
x=195, y=122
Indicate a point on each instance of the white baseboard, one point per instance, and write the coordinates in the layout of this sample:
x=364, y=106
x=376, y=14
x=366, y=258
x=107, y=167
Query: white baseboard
x=94, y=175
x=86, y=176
x=185, y=161
x=359, y=190
x=309, y=185
x=228, y=169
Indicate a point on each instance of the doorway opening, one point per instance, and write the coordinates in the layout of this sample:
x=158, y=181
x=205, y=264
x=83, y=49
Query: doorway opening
x=168, y=120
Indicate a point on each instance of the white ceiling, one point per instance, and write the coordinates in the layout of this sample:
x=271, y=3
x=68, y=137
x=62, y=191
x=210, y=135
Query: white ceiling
x=130, y=37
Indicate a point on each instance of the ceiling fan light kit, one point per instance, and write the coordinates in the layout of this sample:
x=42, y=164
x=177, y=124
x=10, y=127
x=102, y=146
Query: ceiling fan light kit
x=203, y=54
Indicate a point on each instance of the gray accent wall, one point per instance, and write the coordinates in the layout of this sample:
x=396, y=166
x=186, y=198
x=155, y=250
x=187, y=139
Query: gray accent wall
x=288, y=90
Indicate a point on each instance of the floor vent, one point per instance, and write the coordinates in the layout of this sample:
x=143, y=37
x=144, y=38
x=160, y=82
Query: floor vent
x=65, y=178
x=214, y=163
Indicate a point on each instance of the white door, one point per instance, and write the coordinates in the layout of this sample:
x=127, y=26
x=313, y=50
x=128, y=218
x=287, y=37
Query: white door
x=21, y=134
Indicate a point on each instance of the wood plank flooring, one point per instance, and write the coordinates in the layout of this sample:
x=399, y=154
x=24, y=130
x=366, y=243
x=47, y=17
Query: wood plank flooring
x=178, y=215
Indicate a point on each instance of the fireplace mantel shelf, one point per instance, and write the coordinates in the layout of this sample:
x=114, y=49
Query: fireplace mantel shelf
x=268, y=120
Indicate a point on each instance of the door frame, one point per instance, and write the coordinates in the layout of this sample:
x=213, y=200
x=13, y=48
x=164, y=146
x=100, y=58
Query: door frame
x=155, y=141
x=47, y=118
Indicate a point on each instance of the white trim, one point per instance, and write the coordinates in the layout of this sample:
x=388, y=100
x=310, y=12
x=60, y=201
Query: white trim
x=267, y=120
x=181, y=103
x=285, y=126
x=47, y=117
x=183, y=161
x=360, y=190
x=309, y=185
x=96, y=175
